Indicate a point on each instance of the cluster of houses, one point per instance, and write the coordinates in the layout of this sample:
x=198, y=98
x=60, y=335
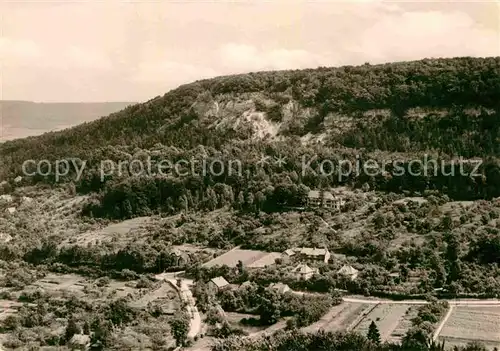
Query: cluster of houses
x=301, y=272
x=309, y=254
x=324, y=199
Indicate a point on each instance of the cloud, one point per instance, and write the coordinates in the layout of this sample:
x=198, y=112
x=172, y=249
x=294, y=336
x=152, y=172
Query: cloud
x=170, y=73
x=86, y=58
x=18, y=51
x=414, y=35
x=136, y=50
x=242, y=57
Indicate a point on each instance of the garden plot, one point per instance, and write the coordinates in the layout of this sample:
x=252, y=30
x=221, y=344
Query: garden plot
x=70, y=283
x=340, y=317
x=8, y=307
x=405, y=323
x=48, y=211
x=387, y=317
x=87, y=289
x=468, y=324
x=165, y=295
x=120, y=233
x=118, y=289
x=250, y=258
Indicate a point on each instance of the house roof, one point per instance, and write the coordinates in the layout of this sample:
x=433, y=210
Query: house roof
x=309, y=251
x=316, y=194
x=267, y=260
x=11, y=210
x=303, y=269
x=280, y=287
x=178, y=253
x=290, y=252
x=348, y=270
x=80, y=339
x=247, y=283
x=220, y=282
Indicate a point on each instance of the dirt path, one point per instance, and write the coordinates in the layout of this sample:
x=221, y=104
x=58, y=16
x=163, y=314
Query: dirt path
x=185, y=295
x=442, y=323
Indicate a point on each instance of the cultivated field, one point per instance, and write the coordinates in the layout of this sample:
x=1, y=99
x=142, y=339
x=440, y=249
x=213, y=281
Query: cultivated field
x=388, y=318
x=67, y=285
x=250, y=258
x=40, y=212
x=164, y=295
x=472, y=323
x=119, y=233
x=341, y=317
x=62, y=283
x=404, y=324
x=393, y=320
x=8, y=307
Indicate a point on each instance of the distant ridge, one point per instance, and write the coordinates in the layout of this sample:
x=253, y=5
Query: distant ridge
x=67, y=102
x=20, y=118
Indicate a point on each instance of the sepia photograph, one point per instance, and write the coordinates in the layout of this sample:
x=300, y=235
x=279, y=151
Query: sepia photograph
x=250, y=175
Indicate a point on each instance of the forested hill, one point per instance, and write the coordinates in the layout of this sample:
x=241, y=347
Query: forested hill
x=314, y=96
x=447, y=106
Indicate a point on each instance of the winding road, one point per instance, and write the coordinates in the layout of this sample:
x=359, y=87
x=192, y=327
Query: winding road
x=185, y=295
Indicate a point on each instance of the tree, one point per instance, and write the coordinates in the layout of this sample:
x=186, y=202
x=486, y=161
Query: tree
x=446, y=223
x=373, y=333
x=119, y=312
x=270, y=308
x=240, y=267
x=71, y=329
x=101, y=334
x=240, y=201
x=475, y=346
x=180, y=328
x=86, y=328
x=11, y=322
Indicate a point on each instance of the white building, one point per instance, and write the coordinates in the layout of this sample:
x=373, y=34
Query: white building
x=280, y=288
x=315, y=254
x=304, y=272
x=218, y=284
x=325, y=199
x=348, y=271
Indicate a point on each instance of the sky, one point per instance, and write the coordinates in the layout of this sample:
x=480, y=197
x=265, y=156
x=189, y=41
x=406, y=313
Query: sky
x=72, y=51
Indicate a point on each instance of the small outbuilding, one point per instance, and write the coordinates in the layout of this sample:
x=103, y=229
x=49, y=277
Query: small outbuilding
x=218, y=284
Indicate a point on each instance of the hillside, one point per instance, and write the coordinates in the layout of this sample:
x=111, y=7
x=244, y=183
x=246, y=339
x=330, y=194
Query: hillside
x=443, y=107
x=91, y=250
x=20, y=119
